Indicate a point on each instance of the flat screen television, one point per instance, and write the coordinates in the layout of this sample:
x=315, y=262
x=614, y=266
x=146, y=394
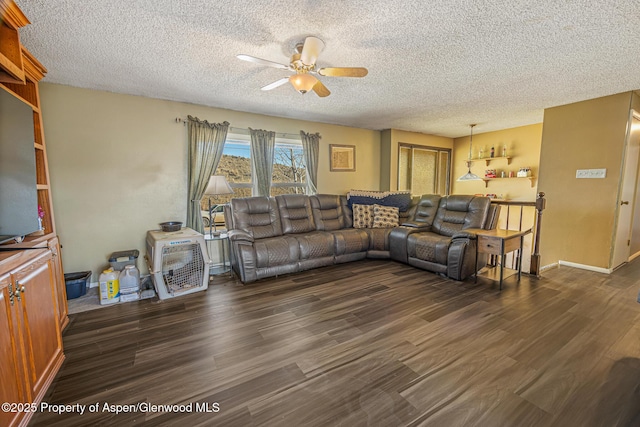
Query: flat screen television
x=18, y=192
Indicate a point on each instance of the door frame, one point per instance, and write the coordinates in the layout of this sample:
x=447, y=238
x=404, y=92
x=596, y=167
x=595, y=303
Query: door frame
x=438, y=151
x=625, y=162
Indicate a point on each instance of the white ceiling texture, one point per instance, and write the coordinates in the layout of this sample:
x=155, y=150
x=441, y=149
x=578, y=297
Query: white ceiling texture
x=434, y=66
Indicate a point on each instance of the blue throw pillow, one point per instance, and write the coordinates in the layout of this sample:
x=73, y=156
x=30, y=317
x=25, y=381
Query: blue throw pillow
x=398, y=199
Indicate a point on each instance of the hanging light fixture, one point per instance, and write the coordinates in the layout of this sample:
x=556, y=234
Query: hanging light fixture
x=469, y=176
x=303, y=82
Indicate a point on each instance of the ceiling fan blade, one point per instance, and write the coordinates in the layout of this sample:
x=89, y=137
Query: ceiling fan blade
x=311, y=49
x=343, y=72
x=320, y=89
x=260, y=61
x=275, y=84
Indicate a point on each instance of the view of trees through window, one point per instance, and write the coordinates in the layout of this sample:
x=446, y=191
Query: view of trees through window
x=289, y=172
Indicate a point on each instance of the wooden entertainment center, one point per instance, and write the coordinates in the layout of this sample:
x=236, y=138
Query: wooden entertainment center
x=33, y=304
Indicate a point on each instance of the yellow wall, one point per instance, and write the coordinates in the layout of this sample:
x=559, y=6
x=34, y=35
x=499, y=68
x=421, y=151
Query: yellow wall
x=390, y=140
x=118, y=165
x=523, y=145
x=118, y=168
x=578, y=223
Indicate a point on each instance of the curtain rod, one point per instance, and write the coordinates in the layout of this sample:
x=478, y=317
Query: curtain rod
x=245, y=131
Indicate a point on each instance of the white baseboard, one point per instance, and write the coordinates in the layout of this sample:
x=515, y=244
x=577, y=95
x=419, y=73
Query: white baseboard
x=548, y=267
x=634, y=256
x=585, y=267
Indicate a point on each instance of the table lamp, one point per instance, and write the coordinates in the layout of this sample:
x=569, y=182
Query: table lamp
x=217, y=186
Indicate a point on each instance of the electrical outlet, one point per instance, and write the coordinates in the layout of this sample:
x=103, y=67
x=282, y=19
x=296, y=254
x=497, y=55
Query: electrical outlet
x=591, y=173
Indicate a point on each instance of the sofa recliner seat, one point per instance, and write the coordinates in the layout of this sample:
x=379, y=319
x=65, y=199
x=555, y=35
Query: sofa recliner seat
x=437, y=239
x=289, y=233
x=332, y=214
x=258, y=243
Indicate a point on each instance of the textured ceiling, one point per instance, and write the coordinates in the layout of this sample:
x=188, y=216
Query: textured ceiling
x=434, y=67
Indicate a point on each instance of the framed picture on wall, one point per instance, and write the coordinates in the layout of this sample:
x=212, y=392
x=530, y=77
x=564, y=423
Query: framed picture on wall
x=342, y=158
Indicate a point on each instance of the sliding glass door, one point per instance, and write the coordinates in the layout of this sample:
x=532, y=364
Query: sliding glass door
x=423, y=170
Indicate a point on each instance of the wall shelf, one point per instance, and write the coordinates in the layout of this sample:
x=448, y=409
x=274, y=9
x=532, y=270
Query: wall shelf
x=530, y=178
x=487, y=160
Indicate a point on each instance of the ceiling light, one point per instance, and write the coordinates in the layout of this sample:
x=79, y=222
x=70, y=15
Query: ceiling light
x=303, y=83
x=469, y=176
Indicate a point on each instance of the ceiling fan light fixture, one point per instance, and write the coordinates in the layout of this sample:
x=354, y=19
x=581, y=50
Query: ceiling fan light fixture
x=310, y=50
x=303, y=83
x=303, y=67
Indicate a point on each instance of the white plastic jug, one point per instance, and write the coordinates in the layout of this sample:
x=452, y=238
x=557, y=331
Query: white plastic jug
x=109, y=287
x=129, y=280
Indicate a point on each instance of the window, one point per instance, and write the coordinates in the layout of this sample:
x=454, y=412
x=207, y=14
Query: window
x=235, y=165
x=423, y=170
x=289, y=172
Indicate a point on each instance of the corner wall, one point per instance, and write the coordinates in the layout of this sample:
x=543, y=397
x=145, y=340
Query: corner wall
x=523, y=145
x=578, y=223
x=118, y=166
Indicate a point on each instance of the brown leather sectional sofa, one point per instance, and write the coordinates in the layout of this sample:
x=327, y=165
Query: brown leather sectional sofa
x=271, y=236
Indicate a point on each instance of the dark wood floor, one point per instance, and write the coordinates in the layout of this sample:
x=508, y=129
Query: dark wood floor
x=367, y=343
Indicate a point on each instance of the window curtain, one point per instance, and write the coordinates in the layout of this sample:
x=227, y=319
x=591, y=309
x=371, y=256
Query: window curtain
x=311, y=149
x=263, y=143
x=206, y=142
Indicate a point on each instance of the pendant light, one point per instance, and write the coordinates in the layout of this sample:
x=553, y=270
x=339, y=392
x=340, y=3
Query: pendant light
x=469, y=176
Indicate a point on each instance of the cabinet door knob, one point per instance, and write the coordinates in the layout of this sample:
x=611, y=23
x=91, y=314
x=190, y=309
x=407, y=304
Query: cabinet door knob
x=19, y=290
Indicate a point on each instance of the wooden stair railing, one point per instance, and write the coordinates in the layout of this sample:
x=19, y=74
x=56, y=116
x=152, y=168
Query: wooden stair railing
x=539, y=205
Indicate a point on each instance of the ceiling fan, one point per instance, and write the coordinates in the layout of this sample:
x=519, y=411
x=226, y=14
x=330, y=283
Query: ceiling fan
x=303, y=64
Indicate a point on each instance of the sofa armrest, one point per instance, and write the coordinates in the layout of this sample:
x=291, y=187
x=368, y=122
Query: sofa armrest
x=420, y=225
x=398, y=241
x=464, y=235
x=461, y=258
x=244, y=260
x=239, y=235
x=467, y=233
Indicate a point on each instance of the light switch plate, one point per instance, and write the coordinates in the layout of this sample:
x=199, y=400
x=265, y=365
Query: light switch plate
x=591, y=173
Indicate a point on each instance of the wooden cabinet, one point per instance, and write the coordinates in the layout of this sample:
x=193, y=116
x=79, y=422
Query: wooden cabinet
x=36, y=300
x=58, y=280
x=12, y=378
x=26, y=89
x=11, y=63
x=30, y=334
x=33, y=306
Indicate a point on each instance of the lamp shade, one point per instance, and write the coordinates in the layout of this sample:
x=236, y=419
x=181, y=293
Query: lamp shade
x=470, y=176
x=218, y=185
x=303, y=83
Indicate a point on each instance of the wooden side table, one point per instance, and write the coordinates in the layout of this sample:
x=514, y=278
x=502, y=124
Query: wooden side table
x=500, y=243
